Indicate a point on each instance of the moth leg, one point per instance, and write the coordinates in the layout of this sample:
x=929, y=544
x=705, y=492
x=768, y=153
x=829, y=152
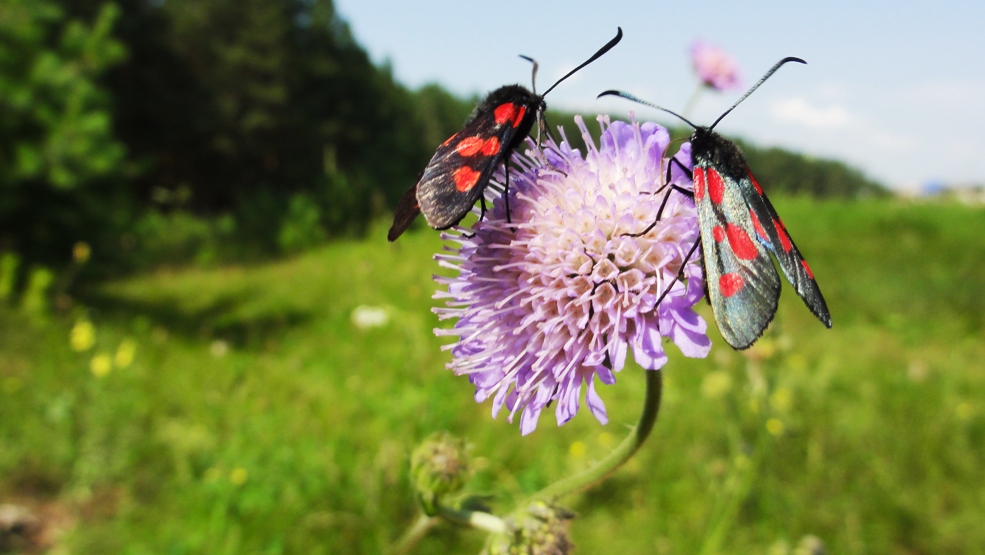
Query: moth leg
x=680, y=272
x=674, y=160
x=542, y=127
x=482, y=214
x=506, y=188
x=663, y=204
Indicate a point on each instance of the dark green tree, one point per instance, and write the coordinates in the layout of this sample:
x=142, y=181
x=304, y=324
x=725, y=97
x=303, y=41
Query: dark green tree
x=61, y=166
x=248, y=106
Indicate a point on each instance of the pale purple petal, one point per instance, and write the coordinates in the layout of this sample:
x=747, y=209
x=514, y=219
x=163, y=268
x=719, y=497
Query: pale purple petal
x=595, y=403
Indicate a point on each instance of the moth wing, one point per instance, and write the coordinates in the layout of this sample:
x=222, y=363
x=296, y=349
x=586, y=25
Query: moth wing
x=407, y=210
x=743, y=286
x=461, y=167
x=772, y=234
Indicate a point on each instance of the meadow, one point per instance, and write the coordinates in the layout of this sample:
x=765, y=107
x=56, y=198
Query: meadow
x=237, y=409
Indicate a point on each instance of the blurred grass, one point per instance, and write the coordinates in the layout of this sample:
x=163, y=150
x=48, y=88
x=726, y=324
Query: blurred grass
x=256, y=418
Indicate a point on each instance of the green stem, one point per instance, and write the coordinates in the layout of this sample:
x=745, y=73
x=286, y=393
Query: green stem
x=742, y=480
x=414, y=534
x=582, y=480
x=472, y=519
x=469, y=519
x=621, y=454
x=693, y=100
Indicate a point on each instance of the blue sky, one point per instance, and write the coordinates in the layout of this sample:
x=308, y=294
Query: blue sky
x=897, y=89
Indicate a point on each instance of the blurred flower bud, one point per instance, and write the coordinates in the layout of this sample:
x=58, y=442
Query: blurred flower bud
x=439, y=466
x=538, y=529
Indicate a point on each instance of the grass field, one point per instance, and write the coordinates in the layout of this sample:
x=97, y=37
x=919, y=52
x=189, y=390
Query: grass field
x=253, y=417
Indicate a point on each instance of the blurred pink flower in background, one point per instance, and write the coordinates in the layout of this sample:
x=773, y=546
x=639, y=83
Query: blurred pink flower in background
x=715, y=68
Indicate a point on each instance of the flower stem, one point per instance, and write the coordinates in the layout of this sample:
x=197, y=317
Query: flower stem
x=621, y=454
x=693, y=100
x=413, y=535
x=466, y=518
x=472, y=519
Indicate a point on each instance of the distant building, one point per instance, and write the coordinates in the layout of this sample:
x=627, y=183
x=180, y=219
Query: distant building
x=967, y=193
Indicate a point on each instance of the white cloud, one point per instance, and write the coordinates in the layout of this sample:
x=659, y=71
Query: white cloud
x=800, y=112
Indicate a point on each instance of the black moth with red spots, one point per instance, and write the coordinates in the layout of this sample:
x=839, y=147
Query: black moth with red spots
x=462, y=166
x=739, y=230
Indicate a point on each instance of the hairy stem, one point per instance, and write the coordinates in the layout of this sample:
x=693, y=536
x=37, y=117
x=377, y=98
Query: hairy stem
x=621, y=454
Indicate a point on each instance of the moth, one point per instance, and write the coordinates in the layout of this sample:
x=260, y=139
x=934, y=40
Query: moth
x=740, y=230
x=462, y=166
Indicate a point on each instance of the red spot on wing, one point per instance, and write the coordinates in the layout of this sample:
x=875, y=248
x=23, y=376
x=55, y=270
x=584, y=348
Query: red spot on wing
x=716, y=187
x=504, y=113
x=741, y=243
x=465, y=178
x=699, y=183
x=758, y=226
x=719, y=233
x=782, y=232
x=491, y=146
x=730, y=284
x=755, y=183
x=470, y=146
x=807, y=268
x=519, y=116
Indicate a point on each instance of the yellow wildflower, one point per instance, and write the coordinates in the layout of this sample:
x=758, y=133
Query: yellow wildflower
x=124, y=353
x=83, y=336
x=100, y=365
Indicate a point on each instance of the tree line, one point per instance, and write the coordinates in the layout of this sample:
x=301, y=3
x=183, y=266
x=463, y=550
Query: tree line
x=136, y=125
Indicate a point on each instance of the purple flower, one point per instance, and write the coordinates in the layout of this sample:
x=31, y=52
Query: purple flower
x=715, y=68
x=555, y=298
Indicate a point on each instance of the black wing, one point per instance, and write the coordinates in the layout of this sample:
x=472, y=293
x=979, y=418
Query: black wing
x=407, y=210
x=739, y=230
x=462, y=166
x=778, y=241
x=743, y=286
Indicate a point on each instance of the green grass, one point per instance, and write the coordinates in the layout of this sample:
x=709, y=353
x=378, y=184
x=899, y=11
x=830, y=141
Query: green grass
x=255, y=418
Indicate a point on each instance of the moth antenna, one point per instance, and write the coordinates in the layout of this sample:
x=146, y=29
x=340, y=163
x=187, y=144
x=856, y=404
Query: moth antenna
x=756, y=86
x=533, y=76
x=608, y=46
x=645, y=103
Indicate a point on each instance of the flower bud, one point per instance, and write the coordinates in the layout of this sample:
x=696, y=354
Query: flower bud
x=439, y=466
x=538, y=529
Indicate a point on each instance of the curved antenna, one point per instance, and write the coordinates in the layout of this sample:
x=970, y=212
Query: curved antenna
x=533, y=77
x=645, y=103
x=756, y=86
x=608, y=46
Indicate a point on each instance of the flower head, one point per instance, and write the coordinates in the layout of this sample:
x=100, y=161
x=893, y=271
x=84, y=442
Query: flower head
x=715, y=68
x=553, y=299
x=538, y=528
x=439, y=466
